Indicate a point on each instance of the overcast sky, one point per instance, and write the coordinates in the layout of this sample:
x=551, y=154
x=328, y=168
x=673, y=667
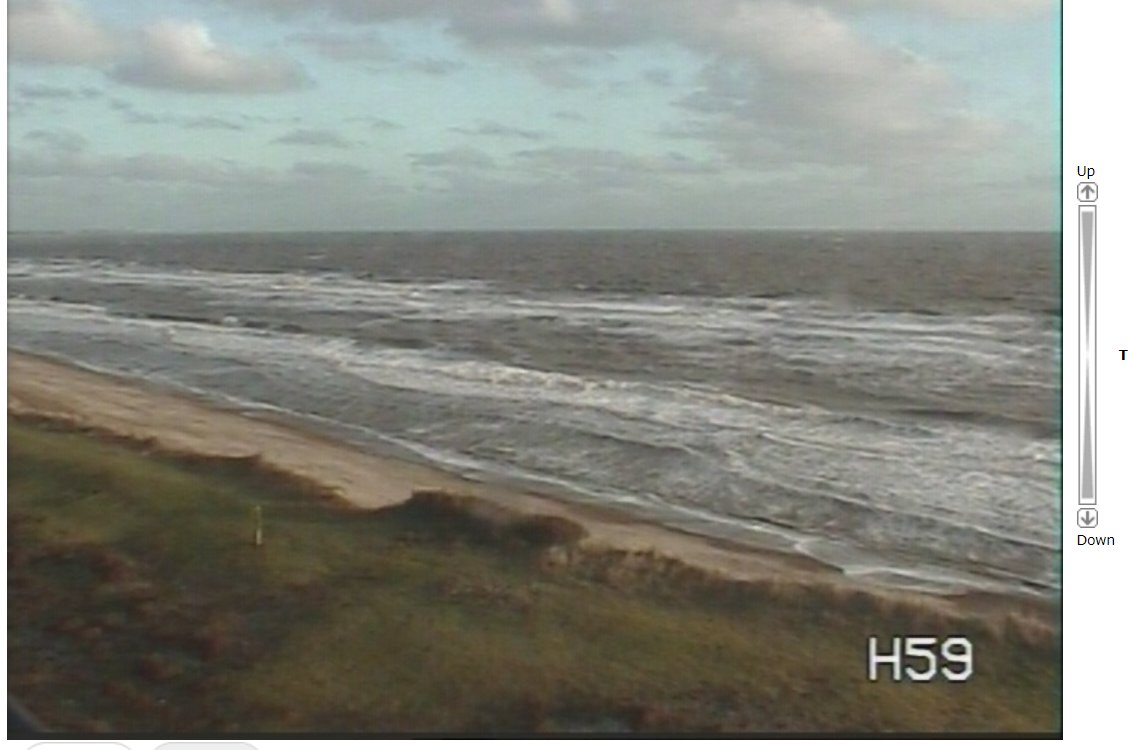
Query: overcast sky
x=437, y=114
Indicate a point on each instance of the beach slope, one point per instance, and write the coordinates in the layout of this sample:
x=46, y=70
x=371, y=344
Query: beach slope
x=179, y=423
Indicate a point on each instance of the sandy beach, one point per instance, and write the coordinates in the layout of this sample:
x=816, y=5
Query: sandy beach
x=175, y=422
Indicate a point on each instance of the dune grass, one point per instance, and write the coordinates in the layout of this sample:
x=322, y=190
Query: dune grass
x=138, y=602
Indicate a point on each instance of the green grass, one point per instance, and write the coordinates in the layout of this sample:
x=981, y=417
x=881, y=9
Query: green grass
x=137, y=602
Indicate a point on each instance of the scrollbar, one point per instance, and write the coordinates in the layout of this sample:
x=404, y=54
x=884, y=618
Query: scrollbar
x=1087, y=231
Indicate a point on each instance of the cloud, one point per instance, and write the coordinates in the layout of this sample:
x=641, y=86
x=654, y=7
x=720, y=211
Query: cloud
x=329, y=171
x=568, y=115
x=779, y=79
x=579, y=173
x=494, y=129
x=602, y=22
x=345, y=47
x=169, y=54
x=54, y=163
x=59, y=141
x=376, y=123
x=490, y=22
x=606, y=168
x=210, y=122
x=136, y=116
x=964, y=9
x=182, y=56
x=794, y=82
x=65, y=156
x=512, y=26
x=751, y=89
x=313, y=137
x=57, y=32
x=381, y=123
x=191, y=122
x=658, y=77
x=435, y=66
x=54, y=186
x=47, y=100
x=564, y=68
x=35, y=91
x=460, y=159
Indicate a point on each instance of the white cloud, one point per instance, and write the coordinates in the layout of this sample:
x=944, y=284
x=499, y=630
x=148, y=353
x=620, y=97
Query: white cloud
x=817, y=67
x=781, y=78
x=596, y=23
x=57, y=32
x=763, y=88
x=955, y=8
x=171, y=54
x=182, y=56
x=560, y=11
x=791, y=81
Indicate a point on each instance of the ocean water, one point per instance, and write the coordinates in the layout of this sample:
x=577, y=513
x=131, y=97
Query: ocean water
x=885, y=402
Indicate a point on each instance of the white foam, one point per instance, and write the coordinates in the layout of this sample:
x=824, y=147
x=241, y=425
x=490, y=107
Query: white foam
x=969, y=477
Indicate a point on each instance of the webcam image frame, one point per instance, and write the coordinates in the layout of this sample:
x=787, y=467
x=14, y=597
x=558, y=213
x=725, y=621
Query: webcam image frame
x=535, y=368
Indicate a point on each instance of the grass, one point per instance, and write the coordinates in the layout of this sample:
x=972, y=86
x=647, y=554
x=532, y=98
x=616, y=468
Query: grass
x=138, y=603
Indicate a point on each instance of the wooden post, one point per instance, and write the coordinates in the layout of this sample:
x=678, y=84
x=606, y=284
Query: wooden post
x=258, y=525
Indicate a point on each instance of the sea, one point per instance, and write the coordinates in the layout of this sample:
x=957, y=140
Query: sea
x=888, y=403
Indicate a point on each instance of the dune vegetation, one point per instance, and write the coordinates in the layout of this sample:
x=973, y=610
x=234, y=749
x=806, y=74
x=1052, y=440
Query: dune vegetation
x=138, y=601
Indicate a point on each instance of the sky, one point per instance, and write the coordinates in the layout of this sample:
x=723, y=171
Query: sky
x=280, y=115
